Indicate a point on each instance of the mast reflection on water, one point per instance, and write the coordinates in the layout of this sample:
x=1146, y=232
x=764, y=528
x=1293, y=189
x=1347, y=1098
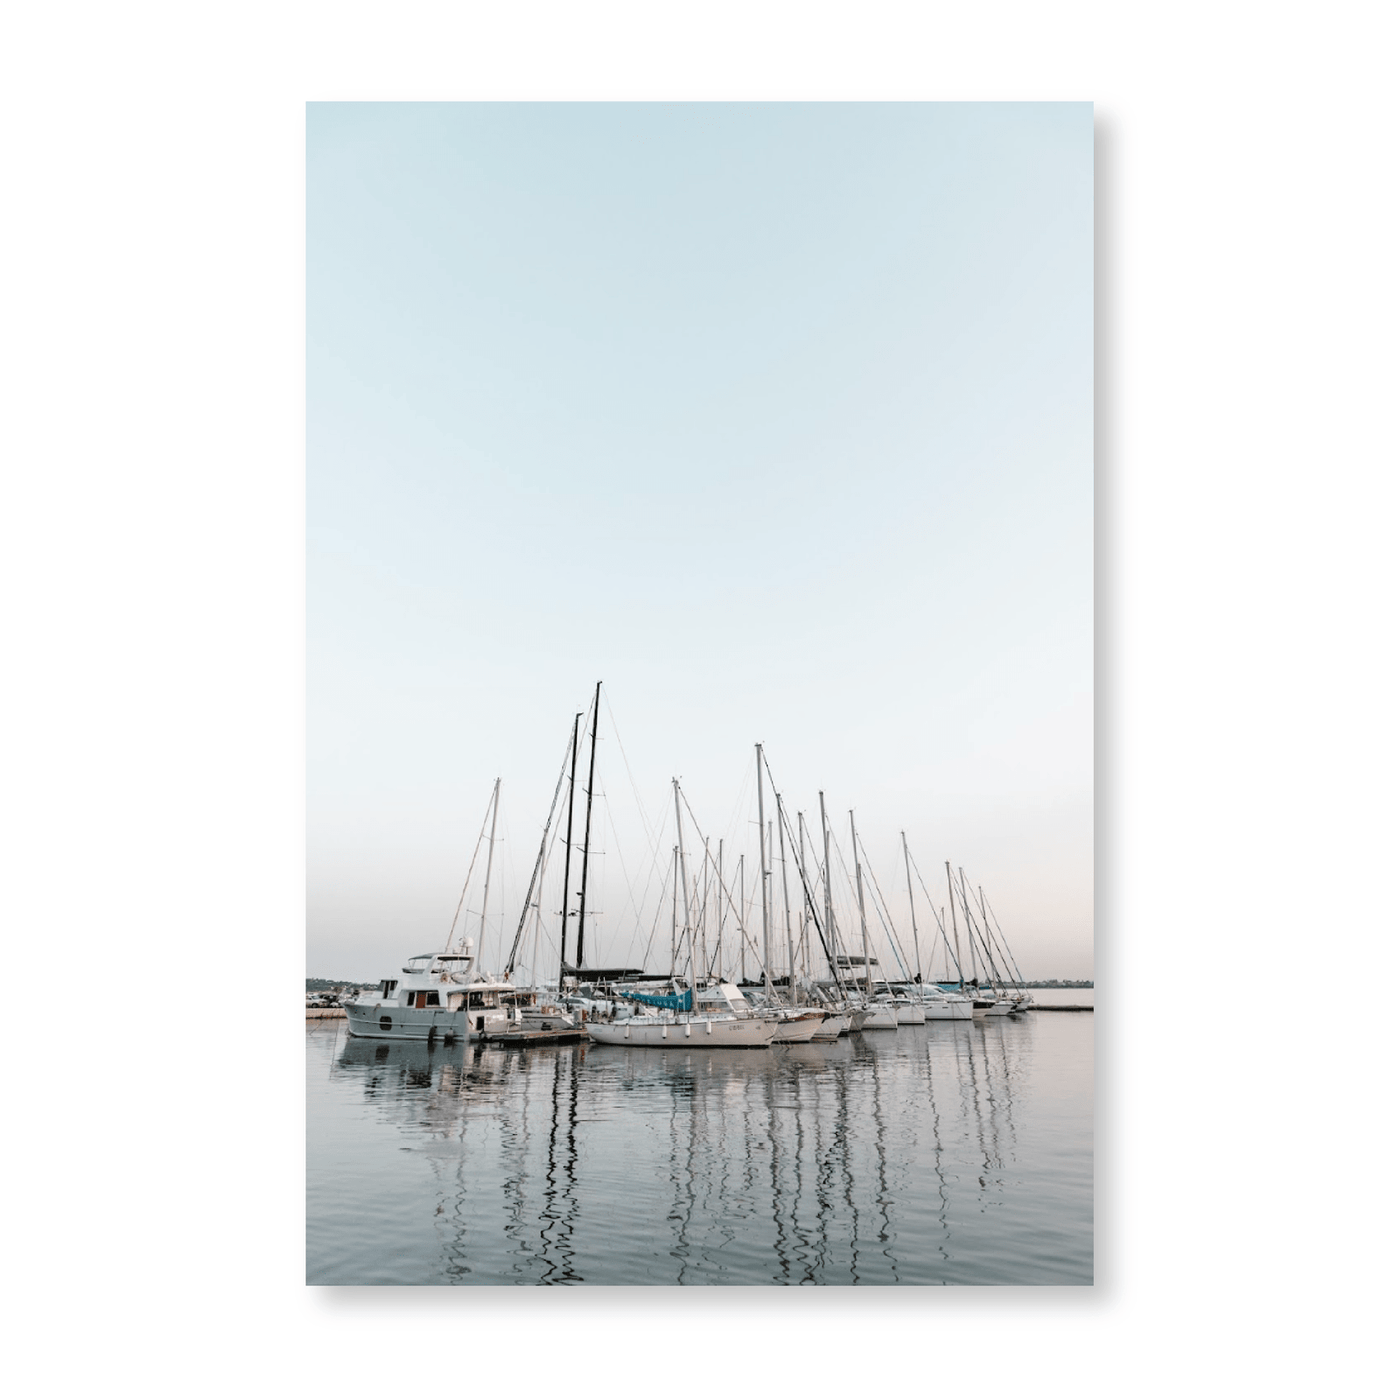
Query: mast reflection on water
x=953, y=1153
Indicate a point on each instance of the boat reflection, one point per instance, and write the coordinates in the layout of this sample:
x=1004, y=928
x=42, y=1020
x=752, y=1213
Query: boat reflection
x=862, y=1160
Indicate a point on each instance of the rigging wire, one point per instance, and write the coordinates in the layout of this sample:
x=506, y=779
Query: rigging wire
x=468, y=880
x=1005, y=944
x=630, y=883
x=999, y=973
x=937, y=919
x=802, y=875
x=660, y=906
x=880, y=898
x=540, y=862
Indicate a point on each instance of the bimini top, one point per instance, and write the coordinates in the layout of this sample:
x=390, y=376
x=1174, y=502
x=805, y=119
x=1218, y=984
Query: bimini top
x=424, y=962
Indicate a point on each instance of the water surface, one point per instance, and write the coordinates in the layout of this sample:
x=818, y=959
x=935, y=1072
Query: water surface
x=944, y=1154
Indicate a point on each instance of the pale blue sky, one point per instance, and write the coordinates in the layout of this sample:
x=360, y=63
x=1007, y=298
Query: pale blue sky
x=775, y=418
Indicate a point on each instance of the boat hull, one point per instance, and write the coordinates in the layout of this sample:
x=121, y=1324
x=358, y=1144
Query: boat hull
x=948, y=1011
x=798, y=1030
x=653, y=1031
x=432, y=1023
x=833, y=1027
x=881, y=1018
x=909, y=1015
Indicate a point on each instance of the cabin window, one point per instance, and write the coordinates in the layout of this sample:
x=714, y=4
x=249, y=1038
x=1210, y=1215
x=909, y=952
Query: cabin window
x=476, y=999
x=433, y=999
x=385, y=1022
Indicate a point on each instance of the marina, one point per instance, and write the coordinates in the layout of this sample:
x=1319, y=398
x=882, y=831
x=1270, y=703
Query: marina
x=786, y=1086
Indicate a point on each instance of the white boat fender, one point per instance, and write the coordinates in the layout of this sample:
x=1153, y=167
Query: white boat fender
x=663, y=1030
x=627, y=1032
x=709, y=1027
x=687, y=1030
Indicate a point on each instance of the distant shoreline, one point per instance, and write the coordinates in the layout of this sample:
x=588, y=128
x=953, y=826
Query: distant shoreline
x=327, y=984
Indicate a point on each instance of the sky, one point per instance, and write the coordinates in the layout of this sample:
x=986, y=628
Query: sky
x=775, y=418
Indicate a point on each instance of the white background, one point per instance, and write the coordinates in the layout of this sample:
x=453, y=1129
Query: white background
x=152, y=556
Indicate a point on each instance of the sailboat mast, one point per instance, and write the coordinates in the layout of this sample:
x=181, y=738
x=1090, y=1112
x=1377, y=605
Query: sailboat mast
x=860, y=901
x=536, y=878
x=763, y=875
x=685, y=884
x=987, y=934
x=802, y=937
x=587, y=827
x=767, y=974
x=490, y=851
x=826, y=895
x=702, y=907
x=991, y=914
x=787, y=912
x=675, y=899
x=743, y=965
x=568, y=853
x=995, y=971
x=953, y=911
x=977, y=977
x=909, y=881
x=988, y=972
x=719, y=917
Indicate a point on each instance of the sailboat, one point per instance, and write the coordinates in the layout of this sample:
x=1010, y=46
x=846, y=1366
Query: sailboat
x=675, y=1020
x=940, y=1002
x=990, y=999
x=869, y=1014
x=1021, y=1000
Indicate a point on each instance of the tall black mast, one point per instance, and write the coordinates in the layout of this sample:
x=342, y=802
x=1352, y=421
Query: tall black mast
x=568, y=851
x=587, y=827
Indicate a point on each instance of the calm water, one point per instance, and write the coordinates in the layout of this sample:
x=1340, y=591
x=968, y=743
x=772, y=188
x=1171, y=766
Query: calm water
x=945, y=1154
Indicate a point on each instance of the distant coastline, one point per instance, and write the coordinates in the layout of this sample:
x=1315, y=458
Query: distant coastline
x=328, y=984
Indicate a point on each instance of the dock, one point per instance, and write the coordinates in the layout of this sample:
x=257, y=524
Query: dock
x=1035, y=1006
x=325, y=1013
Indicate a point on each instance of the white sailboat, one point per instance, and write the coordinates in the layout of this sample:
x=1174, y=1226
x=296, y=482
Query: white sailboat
x=679, y=1020
x=939, y=1005
x=881, y=1015
x=990, y=998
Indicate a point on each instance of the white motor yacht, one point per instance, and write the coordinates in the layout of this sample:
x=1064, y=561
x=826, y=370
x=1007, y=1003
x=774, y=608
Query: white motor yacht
x=438, y=997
